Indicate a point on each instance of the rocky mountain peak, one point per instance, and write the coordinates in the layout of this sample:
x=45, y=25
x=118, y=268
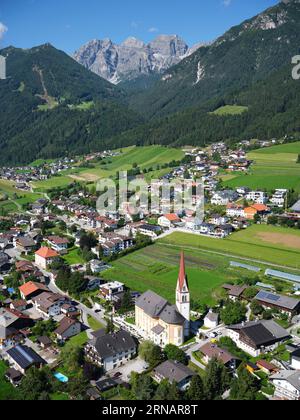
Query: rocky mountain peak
x=132, y=58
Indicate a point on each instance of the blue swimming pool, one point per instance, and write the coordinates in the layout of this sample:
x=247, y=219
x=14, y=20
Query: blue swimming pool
x=61, y=378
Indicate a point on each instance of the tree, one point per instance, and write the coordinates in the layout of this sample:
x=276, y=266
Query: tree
x=37, y=383
x=245, y=387
x=196, y=389
x=151, y=353
x=298, y=160
x=72, y=358
x=216, y=380
x=256, y=308
x=87, y=241
x=142, y=386
x=163, y=390
x=175, y=353
x=250, y=293
x=127, y=303
x=110, y=326
x=233, y=313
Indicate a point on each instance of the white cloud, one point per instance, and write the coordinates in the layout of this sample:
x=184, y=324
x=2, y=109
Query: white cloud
x=226, y=3
x=153, y=29
x=3, y=30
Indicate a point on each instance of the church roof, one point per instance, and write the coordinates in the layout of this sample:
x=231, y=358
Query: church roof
x=182, y=278
x=158, y=307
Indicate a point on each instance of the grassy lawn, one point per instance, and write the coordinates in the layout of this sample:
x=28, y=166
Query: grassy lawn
x=230, y=110
x=59, y=396
x=274, y=167
x=156, y=268
x=79, y=340
x=94, y=324
x=74, y=257
x=252, y=243
x=15, y=198
x=7, y=391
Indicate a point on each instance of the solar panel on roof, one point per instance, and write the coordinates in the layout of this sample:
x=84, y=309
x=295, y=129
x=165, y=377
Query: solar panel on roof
x=273, y=297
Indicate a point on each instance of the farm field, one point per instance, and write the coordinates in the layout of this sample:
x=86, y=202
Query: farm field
x=274, y=167
x=15, y=198
x=156, y=268
x=262, y=243
x=146, y=157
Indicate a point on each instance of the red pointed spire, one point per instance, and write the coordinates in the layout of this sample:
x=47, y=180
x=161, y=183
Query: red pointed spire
x=182, y=279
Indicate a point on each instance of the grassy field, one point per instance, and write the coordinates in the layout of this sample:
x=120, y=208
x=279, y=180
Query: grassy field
x=264, y=243
x=145, y=157
x=73, y=257
x=15, y=198
x=156, y=268
x=7, y=391
x=230, y=110
x=274, y=167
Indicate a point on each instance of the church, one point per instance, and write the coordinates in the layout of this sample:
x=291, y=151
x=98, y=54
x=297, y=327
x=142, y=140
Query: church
x=159, y=321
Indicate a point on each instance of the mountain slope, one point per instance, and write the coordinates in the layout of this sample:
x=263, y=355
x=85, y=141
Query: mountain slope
x=245, y=54
x=50, y=105
x=132, y=59
x=272, y=109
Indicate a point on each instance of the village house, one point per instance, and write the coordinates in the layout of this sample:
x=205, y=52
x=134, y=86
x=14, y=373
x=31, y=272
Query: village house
x=287, y=385
x=11, y=322
x=32, y=289
x=24, y=358
x=222, y=198
x=25, y=244
x=49, y=304
x=168, y=220
x=58, y=244
x=234, y=292
x=44, y=257
x=67, y=328
x=259, y=197
x=173, y=371
x=111, y=351
x=257, y=337
x=108, y=291
x=284, y=304
x=211, y=351
x=211, y=320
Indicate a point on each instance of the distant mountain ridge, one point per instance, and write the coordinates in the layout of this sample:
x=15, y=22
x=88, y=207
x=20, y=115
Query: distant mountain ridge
x=245, y=54
x=132, y=58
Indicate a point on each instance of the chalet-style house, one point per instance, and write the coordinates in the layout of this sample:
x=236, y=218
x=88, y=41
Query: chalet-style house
x=49, y=304
x=159, y=321
x=11, y=322
x=234, y=292
x=284, y=304
x=67, y=328
x=111, y=351
x=211, y=351
x=173, y=371
x=58, y=244
x=257, y=337
x=287, y=385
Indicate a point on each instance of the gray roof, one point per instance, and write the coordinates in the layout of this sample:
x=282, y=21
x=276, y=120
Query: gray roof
x=151, y=303
x=158, y=329
x=213, y=317
x=262, y=332
x=296, y=207
x=25, y=357
x=290, y=376
x=110, y=345
x=278, y=300
x=158, y=307
x=173, y=371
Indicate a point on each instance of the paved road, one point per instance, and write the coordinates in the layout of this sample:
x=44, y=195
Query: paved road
x=84, y=309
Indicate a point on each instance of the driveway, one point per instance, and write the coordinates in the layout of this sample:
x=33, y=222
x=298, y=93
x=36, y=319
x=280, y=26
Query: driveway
x=137, y=365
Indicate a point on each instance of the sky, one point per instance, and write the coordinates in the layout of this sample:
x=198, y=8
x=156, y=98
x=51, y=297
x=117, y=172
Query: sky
x=68, y=24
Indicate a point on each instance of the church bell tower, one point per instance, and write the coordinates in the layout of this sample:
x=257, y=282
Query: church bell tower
x=183, y=296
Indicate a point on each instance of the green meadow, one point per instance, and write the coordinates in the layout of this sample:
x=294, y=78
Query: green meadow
x=12, y=199
x=259, y=242
x=273, y=167
x=230, y=110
